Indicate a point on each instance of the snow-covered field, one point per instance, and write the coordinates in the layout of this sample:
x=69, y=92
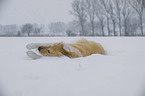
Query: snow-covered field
x=119, y=73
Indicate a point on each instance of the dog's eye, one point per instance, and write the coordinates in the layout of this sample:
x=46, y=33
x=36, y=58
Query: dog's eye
x=48, y=51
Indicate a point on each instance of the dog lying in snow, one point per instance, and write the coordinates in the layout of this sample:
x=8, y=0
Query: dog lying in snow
x=81, y=48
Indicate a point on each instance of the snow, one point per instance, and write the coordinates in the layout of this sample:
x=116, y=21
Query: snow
x=119, y=73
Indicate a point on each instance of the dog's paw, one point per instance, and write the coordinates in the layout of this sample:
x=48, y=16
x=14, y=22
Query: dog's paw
x=31, y=46
x=33, y=55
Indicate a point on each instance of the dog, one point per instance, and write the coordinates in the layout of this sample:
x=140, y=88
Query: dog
x=81, y=48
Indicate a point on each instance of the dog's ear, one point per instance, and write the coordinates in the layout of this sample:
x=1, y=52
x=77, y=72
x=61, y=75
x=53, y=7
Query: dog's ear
x=66, y=50
x=66, y=47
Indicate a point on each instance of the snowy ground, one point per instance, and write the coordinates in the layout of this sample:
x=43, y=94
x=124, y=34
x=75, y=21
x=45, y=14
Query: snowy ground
x=120, y=73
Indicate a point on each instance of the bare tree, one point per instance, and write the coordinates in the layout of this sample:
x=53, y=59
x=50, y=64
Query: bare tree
x=126, y=11
x=38, y=28
x=78, y=10
x=57, y=28
x=142, y=1
x=90, y=8
x=106, y=9
x=73, y=26
x=138, y=7
x=1, y=29
x=27, y=28
x=118, y=9
x=112, y=16
x=52, y=28
x=99, y=14
x=9, y=29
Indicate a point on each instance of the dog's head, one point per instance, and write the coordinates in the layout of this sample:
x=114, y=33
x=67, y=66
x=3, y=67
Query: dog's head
x=57, y=49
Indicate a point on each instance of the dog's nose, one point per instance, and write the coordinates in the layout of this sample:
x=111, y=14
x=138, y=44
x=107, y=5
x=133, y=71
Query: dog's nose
x=39, y=48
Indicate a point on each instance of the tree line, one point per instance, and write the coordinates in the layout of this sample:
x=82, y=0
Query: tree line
x=29, y=29
x=109, y=17
x=91, y=18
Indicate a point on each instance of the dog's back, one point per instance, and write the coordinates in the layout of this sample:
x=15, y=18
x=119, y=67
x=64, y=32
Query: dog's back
x=88, y=47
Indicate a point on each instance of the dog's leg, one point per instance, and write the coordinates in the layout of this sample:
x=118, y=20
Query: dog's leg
x=36, y=45
x=33, y=55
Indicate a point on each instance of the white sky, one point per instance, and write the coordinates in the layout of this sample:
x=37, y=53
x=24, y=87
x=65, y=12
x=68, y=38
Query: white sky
x=35, y=11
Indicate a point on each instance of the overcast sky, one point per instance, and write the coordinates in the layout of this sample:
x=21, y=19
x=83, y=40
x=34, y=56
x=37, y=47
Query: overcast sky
x=35, y=11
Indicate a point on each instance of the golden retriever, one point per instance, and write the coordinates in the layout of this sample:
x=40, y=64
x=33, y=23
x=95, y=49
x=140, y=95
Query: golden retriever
x=81, y=48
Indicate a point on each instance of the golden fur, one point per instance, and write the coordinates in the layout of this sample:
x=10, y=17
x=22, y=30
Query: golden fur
x=81, y=48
